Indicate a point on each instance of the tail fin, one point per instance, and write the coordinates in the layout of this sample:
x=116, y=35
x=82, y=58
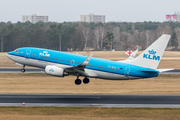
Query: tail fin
x=151, y=57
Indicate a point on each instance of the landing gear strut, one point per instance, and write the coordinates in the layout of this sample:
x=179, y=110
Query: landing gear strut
x=85, y=80
x=23, y=70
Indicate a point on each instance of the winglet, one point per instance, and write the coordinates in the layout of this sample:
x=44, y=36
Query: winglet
x=86, y=61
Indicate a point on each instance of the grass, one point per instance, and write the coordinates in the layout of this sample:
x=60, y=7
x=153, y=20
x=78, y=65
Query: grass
x=44, y=84
x=76, y=113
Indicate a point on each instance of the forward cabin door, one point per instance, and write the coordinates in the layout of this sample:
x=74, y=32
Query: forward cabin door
x=28, y=53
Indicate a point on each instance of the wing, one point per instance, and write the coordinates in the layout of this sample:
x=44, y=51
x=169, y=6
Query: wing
x=80, y=68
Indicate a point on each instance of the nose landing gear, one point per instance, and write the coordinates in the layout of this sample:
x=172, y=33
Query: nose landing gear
x=23, y=70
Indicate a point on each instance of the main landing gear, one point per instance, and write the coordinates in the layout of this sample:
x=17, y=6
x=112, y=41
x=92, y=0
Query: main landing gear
x=78, y=81
x=23, y=70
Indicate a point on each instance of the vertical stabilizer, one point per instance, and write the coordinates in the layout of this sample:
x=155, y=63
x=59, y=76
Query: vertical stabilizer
x=151, y=57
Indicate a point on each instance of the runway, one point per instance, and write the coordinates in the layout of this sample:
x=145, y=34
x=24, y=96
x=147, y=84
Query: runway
x=38, y=70
x=78, y=100
x=18, y=70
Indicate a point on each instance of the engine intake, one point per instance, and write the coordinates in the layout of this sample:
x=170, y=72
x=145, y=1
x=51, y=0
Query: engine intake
x=54, y=71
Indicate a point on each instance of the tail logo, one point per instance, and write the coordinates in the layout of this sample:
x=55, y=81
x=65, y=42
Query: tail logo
x=151, y=55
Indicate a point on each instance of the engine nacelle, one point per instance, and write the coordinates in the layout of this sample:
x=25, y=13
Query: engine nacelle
x=55, y=71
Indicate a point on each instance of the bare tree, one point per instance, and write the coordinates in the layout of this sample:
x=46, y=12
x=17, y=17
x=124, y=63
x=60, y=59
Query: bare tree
x=100, y=33
x=177, y=30
x=97, y=36
x=86, y=34
x=116, y=33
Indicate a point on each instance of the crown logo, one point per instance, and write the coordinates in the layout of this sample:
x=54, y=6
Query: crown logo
x=152, y=52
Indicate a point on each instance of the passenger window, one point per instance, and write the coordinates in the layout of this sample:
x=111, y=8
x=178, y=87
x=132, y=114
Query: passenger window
x=56, y=58
x=97, y=66
x=41, y=56
x=44, y=57
x=37, y=56
x=32, y=54
x=61, y=60
x=53, y=58
x=104, y=67
x=112, y=68
x=92, y=65
x=48, y=57
x=75, y=62
x=78, y=62
x=65, y=60
x=117, y=70
x=72, y=61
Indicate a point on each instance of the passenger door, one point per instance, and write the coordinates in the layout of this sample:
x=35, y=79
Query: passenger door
x=127, y=71
x=28, y=53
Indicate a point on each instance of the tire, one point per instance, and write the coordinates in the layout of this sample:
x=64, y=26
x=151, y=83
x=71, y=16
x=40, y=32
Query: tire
x=23, y=70
x=77, y=81
x=86, y=80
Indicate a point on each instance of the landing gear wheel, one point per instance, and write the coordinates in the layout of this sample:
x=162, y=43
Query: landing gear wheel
x=85, y=80
x=77, y=81
x=23, y=70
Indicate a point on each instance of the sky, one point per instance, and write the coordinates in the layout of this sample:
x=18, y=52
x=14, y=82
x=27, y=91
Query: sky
x=70, y=10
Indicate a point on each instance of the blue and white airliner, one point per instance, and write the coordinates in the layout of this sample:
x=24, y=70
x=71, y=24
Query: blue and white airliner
x=62, y=64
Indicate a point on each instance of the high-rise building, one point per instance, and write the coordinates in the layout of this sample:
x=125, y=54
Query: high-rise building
x=34, y=18
x=92, y=18
x=173, y=17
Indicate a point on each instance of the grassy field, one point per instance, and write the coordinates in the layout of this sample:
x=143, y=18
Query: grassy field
x=41, y=83
x=77, y=113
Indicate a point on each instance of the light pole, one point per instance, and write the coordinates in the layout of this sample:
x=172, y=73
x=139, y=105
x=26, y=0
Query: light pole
x=59, y=43
x=1, y=44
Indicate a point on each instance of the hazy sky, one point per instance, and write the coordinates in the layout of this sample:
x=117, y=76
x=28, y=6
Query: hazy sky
x=70, y=10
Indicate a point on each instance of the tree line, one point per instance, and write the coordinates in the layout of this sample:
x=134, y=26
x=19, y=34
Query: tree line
x=87, y=36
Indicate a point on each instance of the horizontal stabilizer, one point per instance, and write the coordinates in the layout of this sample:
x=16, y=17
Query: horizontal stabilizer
x=149, y=71
x=164, y=70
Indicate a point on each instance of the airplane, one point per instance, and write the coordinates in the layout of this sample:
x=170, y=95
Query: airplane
x=61, y=64
x=131, y=57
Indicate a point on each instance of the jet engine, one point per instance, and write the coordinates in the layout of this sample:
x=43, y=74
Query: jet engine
x=54, y=71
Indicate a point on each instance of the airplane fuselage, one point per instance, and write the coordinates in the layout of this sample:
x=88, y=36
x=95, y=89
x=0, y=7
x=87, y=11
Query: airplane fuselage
x=96, y=68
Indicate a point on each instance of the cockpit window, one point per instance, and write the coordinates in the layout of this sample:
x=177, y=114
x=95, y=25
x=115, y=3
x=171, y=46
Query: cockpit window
x=17, y=51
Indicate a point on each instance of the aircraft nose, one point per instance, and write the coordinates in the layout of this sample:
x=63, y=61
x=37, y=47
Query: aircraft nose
x=8, y=55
